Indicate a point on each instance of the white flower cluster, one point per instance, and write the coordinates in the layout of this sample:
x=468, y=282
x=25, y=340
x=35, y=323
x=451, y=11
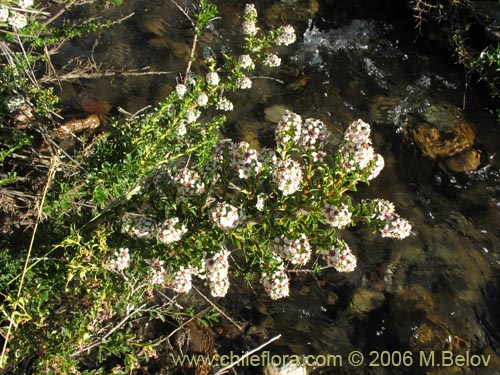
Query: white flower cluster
x=244, y=83
x=168, y=233
x=15, y=103
x=396, y=227
x=140, y=227
x=16, y=19
x=121, y=260
x=244, y=160
x=202, y=100
x=224, y=104
x=288, y=176
x=157, y=272
x=271, y=60
x=250, y=17
x=23, y=4
x=289, y=129
x=337, y=216
x=181, y=90
x=356, y=149
x=340, y=257
x=192, y=115
x=383, y=209
x=314, y=135
x=391, y=224
x=216, y=269
x=296, y=251
x=187, y=182
x=181, y=280
x=4, y=13
x=286, y=36
x=246, y=62
x=276, y=284
x=212, y=78
x=261, y=201
x=309, y=136
x=224, y=216
x=377, y=166
x=182, y=128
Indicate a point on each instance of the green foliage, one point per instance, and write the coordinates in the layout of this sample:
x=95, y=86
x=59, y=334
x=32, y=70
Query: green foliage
x=161, y=199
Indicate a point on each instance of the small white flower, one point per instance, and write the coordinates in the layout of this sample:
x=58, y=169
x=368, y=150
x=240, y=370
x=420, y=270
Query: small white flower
x=396, y=227
x=180, y=281
x=286, y=37
x=272, y=60
x=340, y=257
x=121, y=259
x=249, y=27
x=244, y=83
x=202, y=100
x=250, y=11
x=297, y=251
x=192, y=115
x=181, y=128
x=169, y=231
x=337, y=216
x=244, y=159
x=25, y=3
x=157, y=272
x=261, y=200
x=246, y=62
x=224, y=105
x=276, y=284
x=181, y=90
x=225, y=216
x=15, y=103
x=140, y=227
x=4, y=13
x=377, y=167
x=212, y=78
x=18, y=21
x=289, y=129
x=216, y=270
x=288, y=176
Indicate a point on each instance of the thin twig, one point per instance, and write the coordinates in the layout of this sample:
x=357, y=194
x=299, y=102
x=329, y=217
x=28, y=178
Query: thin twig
x=219, y=310
x=54, y=163
x=59, y=13
x=231, y=365
x=74, y=75
x=110, y=332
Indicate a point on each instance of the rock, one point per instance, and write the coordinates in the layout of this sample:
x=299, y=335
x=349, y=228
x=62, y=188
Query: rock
x=443, y=132
x=274, y=113
x=365, y=300
x=466, y=161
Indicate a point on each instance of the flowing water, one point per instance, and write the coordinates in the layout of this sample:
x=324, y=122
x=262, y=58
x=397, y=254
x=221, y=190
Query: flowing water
x=437, y=290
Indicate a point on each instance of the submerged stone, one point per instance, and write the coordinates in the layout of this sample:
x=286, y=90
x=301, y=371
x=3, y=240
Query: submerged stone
x=466, y=161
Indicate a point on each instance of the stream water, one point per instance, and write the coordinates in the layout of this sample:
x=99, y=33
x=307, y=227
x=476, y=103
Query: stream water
x=437, y=290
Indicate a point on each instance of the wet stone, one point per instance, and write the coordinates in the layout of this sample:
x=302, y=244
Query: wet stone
x=443, y=132
x=274, y=113
x=466, y=161
x=365, y=300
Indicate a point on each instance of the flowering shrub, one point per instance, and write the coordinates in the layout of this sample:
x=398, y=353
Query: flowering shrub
x=165, y=203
